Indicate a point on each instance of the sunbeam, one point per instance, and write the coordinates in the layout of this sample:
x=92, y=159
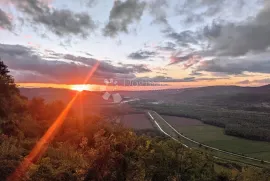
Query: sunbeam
x=42, y=145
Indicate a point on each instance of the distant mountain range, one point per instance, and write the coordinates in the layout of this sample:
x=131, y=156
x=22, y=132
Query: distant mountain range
x=248, y=98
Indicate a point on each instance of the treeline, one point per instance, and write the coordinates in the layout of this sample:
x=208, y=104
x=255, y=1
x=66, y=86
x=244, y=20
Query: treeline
x=253, y=133
x=246, y=124
x=91, y=149
x=258, y=99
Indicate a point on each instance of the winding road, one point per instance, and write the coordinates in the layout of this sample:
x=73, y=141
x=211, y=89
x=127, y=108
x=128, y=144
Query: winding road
x=154, y=114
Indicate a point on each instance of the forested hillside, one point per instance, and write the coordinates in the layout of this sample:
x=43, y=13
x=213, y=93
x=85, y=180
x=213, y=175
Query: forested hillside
x=230, y=97
x=91, y=149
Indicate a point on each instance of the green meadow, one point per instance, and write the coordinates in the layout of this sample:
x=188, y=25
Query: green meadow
x=215, y=137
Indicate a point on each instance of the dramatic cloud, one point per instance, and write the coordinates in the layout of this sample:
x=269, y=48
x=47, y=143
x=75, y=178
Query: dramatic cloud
x=138, y=68
x=192, y=61
x=108, y=68
x=170, y=79
x=23, y=76
x=70, y=69
x=64, y=22
x=194, y=4
x=169, y=46
x=189, y=59
x=164, y=79
x=5, y=21
x=256, y=64
x=183, y=38
x=196, y=73
x=212, y=31
x=233, y=47
x=222, y=39
x=91, y=3
x=140, y=55
x=232, y=39
x=196, y=11
x=61, y=22
x=122, y=15
x=193, y=18
x=158, y=11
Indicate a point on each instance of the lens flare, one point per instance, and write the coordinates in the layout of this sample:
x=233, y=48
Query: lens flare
x=42, y=145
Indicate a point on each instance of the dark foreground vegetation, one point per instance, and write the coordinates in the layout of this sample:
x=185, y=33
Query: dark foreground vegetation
x=92, y=149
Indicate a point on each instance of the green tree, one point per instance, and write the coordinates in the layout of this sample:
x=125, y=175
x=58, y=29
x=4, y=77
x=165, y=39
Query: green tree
x=7, y=90
x=12, y=104
x=36, y=108
x=6, y=81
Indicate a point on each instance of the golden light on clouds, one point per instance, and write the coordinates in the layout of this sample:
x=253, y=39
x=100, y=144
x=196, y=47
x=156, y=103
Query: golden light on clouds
x=204, y=80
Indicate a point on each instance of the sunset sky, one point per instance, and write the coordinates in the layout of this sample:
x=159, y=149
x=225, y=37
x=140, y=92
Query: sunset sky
x=174, y=43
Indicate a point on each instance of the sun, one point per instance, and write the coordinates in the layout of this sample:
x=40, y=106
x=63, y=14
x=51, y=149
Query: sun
x=80, y=88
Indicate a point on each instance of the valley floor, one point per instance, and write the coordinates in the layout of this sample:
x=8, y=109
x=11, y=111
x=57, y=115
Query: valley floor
x=215, y=137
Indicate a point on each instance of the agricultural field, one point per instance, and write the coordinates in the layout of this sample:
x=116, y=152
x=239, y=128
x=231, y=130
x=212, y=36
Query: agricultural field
x=136, y=121
x=215, y=137
x=181, y=121
x=245, y=124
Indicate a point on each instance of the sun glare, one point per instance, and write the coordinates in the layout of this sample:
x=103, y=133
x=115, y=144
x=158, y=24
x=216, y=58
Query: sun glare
x=80, y=88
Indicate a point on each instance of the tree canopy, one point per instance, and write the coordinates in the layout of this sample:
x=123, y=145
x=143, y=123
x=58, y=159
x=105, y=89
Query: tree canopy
x=101, y=151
